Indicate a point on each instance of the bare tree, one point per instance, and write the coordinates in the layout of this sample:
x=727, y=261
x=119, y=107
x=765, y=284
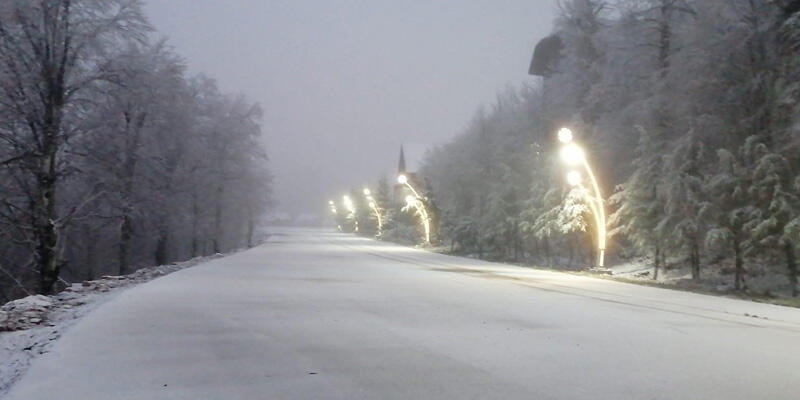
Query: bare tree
x=49, y=52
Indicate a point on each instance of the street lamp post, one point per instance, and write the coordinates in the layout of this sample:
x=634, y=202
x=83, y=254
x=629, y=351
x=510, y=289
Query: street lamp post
x=333, y=207
x=374, y=206
x=416, y=201
x=572, y=154
x=351, y=208
x=335, y=212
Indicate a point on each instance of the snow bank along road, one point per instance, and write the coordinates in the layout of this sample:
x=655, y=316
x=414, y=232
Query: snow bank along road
x=318, y=315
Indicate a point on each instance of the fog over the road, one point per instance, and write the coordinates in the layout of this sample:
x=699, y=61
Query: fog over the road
x=343, y=82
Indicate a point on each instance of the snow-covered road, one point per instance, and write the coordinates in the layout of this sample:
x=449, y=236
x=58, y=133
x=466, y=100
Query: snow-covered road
x=318, y=315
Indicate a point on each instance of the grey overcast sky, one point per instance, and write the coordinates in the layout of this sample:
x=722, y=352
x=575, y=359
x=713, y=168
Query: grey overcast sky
x=343, y=83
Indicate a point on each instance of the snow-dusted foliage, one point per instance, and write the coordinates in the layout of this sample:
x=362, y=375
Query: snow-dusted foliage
x=640, y=202
x=111, y=158
x=690, y=114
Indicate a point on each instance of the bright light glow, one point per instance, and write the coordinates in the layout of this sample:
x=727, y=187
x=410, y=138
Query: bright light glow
x=565, y=135
x=348, y=204
x=375, y=209
x=572, y=154
x=574, y=178
x=416, y=201
x=413, y=201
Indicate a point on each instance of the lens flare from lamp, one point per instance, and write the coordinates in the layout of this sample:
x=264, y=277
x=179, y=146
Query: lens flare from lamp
x=411, y=200
x=574, y=178
x=402, y=179
x=572, y=154
x=348, y=204
x=565, y=135
x=367, y=192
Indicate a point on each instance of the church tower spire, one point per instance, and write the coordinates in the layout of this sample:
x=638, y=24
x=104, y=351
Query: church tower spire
x=401, y=165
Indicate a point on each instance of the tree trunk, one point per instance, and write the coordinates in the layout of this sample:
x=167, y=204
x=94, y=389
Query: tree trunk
x=217, y=241
x=133, y=129
x=571, y=244
x=739, y=273
x=664, y=37
x=517, y=241
x=51, y=66
x=91, y=253
x=546, y=246
x=124, y=248
x=695, y=261
x=161, y=254
x=657, y=262
x=791, y=266
x=195, y=217
x=46, y=214
x=47, y=236
x=251, y=224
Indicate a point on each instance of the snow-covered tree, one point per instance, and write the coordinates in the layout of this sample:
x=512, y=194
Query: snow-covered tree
x=774, y=227
x=51, y=52
x=733, y=215
x=640, y=202
x=110, y=157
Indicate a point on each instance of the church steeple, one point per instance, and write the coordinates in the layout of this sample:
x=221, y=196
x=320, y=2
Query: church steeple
x=401, y=165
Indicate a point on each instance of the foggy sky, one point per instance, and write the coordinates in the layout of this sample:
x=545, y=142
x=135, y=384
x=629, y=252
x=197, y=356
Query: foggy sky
x=343, y=83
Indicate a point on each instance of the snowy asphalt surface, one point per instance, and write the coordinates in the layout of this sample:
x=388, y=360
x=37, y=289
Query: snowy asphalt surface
x=319, y=315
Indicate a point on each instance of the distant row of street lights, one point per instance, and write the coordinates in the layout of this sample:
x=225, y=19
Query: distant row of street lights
x=414, y=200
x=571, y=154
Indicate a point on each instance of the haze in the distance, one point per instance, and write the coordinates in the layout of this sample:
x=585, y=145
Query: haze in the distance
x=343, y=83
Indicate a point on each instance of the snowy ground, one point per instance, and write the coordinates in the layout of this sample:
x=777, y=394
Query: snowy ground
x=29, y=326
x=329, y=316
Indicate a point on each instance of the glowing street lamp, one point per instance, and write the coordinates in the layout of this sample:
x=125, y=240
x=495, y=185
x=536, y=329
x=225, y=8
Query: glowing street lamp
x=416, y=202
x=335, y=212
x=348, y=204
x=574, y=178
x=403, y=180
x=565, y=135
x=572, y=154
x=351, y=208
x=374, y=206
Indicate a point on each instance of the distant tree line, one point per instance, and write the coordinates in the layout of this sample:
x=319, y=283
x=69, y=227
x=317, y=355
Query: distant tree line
x=111, y=158
x=690, y=113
